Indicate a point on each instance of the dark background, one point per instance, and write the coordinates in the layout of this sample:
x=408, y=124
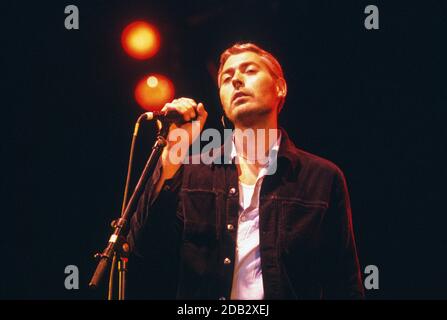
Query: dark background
x=373, y=102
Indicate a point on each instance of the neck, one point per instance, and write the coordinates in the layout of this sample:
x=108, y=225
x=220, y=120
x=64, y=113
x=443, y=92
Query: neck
x=253, y=142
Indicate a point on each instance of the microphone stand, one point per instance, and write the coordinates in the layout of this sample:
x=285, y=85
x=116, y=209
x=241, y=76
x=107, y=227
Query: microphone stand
x=117, y=243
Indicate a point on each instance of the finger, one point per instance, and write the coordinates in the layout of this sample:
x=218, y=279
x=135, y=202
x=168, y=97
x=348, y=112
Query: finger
x=183, y=106
x=170, y=105
x=175, y=106
x=190, y=105
x=187, y=108
x=184, y=111
x=200, y=108
x=186, y=117
x=189, y=100
x=192, y=112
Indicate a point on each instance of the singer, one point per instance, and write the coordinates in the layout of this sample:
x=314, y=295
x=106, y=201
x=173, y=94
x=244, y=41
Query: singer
x=236, y=228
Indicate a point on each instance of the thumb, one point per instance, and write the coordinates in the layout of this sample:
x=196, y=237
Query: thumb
x=201, y=112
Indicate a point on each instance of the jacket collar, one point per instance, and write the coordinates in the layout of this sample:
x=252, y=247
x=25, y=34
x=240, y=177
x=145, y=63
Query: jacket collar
x=287, y=151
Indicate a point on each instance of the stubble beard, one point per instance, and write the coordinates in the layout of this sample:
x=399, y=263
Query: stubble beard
x=248, y=116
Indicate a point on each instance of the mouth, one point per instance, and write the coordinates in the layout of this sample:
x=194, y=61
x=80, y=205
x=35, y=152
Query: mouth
x=239, y=97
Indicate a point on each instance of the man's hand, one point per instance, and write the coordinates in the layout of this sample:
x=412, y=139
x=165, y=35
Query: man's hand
x=190, y=111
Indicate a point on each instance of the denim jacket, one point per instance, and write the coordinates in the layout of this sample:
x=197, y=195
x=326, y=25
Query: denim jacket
x=188, y=233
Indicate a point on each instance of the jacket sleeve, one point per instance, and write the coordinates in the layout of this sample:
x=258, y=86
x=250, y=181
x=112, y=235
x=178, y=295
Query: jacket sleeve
x=154, y=239
x=342, y=276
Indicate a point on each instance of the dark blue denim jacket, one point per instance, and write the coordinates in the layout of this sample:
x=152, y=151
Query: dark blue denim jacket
x=307, y=242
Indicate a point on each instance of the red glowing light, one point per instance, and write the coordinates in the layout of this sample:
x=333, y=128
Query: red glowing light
x=154, y=91
x=140, y=40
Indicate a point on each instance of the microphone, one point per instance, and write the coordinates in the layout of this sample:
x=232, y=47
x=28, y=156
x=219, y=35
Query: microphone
x=171, y=115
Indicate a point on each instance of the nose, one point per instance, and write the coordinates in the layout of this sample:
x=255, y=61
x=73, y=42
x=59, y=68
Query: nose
x=237, y=80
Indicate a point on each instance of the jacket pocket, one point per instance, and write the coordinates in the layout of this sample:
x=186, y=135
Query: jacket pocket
x=300, y=223
x=200, y=216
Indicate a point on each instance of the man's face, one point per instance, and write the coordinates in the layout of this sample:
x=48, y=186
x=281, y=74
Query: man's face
x=247, y=89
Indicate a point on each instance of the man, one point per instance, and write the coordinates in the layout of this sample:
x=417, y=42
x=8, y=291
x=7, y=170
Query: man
x=269, y=221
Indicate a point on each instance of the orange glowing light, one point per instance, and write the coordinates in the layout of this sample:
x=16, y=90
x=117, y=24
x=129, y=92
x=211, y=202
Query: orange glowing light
x=153, y=91
x=140, y=40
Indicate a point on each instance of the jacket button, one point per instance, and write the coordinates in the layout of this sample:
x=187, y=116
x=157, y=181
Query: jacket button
x=230, y=227
x=227, y=261
x=232, y=190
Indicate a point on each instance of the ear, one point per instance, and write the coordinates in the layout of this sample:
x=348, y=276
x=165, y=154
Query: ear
x=281, y=88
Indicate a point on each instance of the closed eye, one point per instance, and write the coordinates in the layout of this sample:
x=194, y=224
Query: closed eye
x=251, y=71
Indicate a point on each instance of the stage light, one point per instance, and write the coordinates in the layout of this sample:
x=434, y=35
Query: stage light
x=152, y=81
x=153, y=91
x=140, y=40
